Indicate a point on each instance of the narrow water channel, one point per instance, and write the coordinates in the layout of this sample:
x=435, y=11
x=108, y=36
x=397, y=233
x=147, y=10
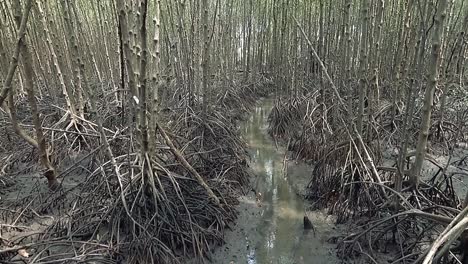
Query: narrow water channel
x=270, y=224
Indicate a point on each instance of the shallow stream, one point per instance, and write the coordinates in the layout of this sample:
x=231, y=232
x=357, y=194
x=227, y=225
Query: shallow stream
x=270, y=224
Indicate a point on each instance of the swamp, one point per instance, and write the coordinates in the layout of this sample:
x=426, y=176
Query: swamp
x=234, y=131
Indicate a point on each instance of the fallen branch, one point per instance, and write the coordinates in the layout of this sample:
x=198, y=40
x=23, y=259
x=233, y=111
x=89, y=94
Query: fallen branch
x=451, y=232
x=187, y=166
x=367, y=158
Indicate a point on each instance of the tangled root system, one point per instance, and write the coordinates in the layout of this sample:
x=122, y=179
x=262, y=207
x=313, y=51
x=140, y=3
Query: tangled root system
x=143, y=209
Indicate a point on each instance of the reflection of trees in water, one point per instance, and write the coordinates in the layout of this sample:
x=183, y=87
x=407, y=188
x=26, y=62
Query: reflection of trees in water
x=280, y=231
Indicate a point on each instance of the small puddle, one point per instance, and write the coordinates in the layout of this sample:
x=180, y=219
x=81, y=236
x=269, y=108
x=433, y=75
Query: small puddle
x=270, y=224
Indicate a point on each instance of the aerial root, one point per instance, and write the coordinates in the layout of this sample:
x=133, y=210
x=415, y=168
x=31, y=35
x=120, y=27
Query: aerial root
x=176, y=216
x=393, y=226
x=143, y=208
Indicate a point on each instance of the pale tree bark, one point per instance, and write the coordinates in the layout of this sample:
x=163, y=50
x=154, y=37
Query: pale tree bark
x=79, y=31
x=3, y=56
x=65, y=90
x=143, y=81
x=156, y=71
x=417, y=65
x=70, y=36
x=320, y=52
x=103, y=21
x=127, y=51
x=433, y=67
x=206, y=56
x=363, y=59
x=376, y=58
x=346, y=58
x=40, y=141
x=405, y=14
x=7, y=84
x=451, y=71
x=249, y=37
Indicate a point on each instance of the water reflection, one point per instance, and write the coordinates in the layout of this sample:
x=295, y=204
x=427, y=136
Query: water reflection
x=279, y=238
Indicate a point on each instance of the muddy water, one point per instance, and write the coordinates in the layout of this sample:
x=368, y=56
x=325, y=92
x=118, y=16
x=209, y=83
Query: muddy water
x=270, y=224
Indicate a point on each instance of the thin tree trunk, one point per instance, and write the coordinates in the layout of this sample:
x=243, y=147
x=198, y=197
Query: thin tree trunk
x=41, y=144
x=206, y=56
x=429, y=94
x=126, y=47
x=143, y=80
x=449, y=74
x=65, y=90
x=70, y=36
x=14, y=60
x=156, y=71
x=363, y=66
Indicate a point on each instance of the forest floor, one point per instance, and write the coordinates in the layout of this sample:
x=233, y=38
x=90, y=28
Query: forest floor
x=269, y=224
x=454, y=164
x=28, y=206
x=86, y=219
x=330, y=186
x=245, y=235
